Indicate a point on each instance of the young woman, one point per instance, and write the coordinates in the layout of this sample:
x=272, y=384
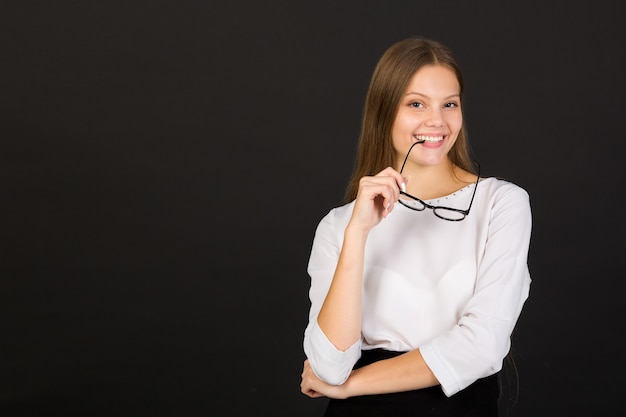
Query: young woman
x=418, y=280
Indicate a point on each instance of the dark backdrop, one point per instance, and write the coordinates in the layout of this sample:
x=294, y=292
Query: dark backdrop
x=164, y=165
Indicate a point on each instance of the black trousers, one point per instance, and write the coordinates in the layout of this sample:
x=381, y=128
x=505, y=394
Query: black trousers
x=478, y=400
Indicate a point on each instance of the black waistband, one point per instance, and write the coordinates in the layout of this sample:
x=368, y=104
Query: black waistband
x=375, y=355
x=479, y=399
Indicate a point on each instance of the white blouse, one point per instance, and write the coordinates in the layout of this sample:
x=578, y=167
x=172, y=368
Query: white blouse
x=452, y=289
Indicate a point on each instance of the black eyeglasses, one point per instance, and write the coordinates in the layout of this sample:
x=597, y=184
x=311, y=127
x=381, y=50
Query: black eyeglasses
x=445, y=213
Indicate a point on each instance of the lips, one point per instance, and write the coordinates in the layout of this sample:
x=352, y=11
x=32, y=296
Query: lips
x=429, y=139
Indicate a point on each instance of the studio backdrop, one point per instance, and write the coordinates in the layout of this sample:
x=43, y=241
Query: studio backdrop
x=164, y=165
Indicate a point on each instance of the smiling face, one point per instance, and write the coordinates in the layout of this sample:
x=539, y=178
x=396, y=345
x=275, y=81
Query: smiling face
x=430, y=110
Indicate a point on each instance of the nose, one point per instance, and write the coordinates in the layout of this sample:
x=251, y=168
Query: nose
x=434, y=118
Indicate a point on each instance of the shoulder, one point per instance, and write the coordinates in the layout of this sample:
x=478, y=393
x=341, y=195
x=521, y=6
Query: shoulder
x=505, y=201
x=337, y=216
x=329, y=231
x=499, y=188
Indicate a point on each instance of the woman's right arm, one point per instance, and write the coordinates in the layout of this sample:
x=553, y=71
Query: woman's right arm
x=339, y=318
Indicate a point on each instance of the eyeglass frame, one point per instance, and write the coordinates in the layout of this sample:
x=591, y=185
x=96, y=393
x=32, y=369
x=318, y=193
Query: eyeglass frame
x=465, y=213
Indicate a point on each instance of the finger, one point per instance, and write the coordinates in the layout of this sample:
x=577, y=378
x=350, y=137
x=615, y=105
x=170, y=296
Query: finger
x=389, y=196
x=390, y=172
x=383, y=195
x=311, y=393
x=395, y=182
x=384, y=187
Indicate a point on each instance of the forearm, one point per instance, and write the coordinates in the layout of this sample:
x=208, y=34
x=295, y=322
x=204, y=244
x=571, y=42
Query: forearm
x=340, y=315
x=402, y=373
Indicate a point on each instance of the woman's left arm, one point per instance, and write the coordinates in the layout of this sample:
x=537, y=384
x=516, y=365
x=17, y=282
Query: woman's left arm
x=476, y=346
x=401, y=373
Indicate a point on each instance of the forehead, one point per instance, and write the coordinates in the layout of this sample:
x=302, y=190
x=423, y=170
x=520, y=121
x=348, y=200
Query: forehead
x=434, y=79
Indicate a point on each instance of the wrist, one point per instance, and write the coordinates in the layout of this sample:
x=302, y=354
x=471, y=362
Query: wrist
x=351, y=385
x=355, y=233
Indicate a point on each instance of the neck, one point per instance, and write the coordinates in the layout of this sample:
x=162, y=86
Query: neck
x=434, y=181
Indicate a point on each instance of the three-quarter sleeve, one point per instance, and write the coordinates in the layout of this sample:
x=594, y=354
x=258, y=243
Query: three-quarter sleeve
x=329, y=363
x=476, y=346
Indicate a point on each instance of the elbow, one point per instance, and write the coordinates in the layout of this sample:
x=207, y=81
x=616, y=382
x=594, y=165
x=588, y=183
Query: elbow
x=329, y=364
x=330, y=371
x=492, y=355
x=331, y=378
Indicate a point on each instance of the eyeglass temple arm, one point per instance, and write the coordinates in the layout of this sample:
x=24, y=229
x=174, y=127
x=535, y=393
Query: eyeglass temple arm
x=407, y=154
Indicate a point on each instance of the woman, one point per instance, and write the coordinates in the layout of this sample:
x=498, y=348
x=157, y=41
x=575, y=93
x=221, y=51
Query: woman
x=418, y=280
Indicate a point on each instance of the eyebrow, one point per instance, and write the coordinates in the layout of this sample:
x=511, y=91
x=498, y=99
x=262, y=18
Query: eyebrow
x=424, y=95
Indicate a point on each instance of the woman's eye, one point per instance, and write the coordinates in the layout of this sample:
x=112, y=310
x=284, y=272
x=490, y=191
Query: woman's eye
x=416, y=105
x=451, y=105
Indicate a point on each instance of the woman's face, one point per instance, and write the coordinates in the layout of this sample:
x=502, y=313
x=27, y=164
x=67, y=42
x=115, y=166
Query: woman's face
x=430, y=110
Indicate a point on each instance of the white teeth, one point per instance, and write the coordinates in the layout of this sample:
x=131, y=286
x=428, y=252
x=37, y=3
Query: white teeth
x=429, y=138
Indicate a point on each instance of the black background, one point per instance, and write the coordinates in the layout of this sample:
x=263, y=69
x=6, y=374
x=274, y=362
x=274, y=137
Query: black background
x=164, y=165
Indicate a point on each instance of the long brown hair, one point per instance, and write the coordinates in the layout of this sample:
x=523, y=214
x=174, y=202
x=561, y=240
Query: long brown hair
x=389, y=82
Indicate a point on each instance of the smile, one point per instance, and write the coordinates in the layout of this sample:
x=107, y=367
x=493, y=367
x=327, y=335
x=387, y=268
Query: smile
x=431, y=139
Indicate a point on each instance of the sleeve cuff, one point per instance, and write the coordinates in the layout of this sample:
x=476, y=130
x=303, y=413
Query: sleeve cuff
x=330, y=364
x=449, y=383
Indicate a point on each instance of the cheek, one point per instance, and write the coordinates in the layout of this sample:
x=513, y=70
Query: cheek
x=404, y=124
x=402, y=133
x=397, y=128
x=456, y=123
